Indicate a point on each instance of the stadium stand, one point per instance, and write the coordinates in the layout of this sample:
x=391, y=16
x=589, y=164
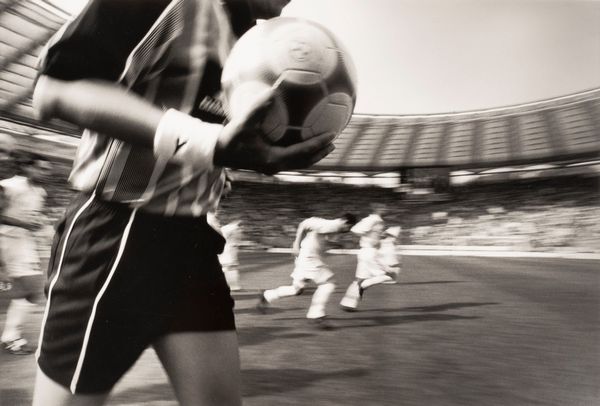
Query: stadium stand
x=527, y=213
x=566, y=127
x=562, y=128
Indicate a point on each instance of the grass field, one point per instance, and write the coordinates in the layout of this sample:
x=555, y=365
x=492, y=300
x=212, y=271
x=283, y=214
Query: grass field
x=453, y=331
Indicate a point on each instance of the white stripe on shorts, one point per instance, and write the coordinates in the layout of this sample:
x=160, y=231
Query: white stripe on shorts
x=88, y=330
x=53, y=282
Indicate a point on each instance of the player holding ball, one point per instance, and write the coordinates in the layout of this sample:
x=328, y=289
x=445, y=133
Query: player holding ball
x=143, y=79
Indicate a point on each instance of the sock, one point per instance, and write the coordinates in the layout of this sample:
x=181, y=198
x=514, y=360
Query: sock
x=319, y=300
x=17, y=313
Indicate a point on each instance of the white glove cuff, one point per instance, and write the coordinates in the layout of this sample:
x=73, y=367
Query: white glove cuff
x=183, y=139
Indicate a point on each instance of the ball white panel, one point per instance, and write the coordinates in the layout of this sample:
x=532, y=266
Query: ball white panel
x=303, y=61
x=301, y=46
x=246, y=56
x=329, y=116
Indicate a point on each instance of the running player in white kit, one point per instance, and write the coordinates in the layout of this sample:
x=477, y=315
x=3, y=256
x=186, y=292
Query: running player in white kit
x=22, y=214
x=371, y=268
x=232, y=232
x=309, y=247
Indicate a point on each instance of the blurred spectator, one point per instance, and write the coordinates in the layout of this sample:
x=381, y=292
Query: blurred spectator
x=538, y=215
x=22, y=214
x=232, y=232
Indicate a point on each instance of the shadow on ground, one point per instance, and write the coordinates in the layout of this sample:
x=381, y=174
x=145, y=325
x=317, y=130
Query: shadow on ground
x=258, y=335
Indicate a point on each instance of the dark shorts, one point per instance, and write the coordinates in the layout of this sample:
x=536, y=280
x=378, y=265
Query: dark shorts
x=27, y=287
x=119, y=280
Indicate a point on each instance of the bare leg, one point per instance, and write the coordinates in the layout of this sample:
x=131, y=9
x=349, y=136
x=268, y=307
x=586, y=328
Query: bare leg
x=204, y=367
x=351, y=297
x=272, y=295
x=295, y=289
x=18, y=311
x=49, y=393
x=375, y=280
x=232, y=276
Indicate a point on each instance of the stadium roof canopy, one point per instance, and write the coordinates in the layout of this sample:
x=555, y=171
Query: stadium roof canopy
x=564, y=128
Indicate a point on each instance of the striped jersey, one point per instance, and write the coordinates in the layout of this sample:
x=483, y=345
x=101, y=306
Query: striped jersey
x=169, y=52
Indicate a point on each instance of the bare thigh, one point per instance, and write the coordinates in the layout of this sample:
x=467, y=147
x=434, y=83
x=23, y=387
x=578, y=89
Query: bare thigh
x=204, y=367
x=49, y=393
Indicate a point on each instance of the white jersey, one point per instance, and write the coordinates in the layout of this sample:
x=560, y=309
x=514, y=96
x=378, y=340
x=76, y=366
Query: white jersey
x=309, y=263
x=23, y=200
x=370, y=230
x=313, y=245
x=18, y=247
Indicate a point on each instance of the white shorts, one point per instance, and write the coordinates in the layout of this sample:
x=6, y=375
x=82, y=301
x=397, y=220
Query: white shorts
x=18, y=250
x=368, y=264
x=312, y=269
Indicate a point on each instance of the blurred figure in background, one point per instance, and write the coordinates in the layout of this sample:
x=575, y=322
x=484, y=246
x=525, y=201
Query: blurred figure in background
x=389, y=253
x=370, y=268
x=232, y=232
x=309, y=247
x=7, y=145
x=24, y=201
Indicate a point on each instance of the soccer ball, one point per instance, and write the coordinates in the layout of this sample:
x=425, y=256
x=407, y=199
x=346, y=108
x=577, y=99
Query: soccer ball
x=313, y=76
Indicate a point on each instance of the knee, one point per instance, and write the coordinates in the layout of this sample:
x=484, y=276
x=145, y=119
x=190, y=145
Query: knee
x=329, y=286
x=222, y=396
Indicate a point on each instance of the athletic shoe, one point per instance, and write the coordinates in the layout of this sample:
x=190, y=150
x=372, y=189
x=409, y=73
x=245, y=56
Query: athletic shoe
x=17, y=347
x=321, y=323
x=262, y=304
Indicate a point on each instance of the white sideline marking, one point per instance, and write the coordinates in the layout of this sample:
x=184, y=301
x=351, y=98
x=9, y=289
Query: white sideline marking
x=465, y=252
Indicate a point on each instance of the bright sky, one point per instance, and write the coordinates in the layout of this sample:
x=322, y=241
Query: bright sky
x=437, y=56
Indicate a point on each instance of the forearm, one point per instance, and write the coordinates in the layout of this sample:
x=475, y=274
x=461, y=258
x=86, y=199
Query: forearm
x=99, y=106
x=112, y=110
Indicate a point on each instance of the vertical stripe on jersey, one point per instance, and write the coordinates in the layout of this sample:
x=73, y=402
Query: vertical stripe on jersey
x=186, y=175
x=196, y=58
x=58, y=270
x=90, y=325
x=185, y=46
x=112, y=168
x=201, y=185
x=156, y=41
x=181, y=93
x=217, y=181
